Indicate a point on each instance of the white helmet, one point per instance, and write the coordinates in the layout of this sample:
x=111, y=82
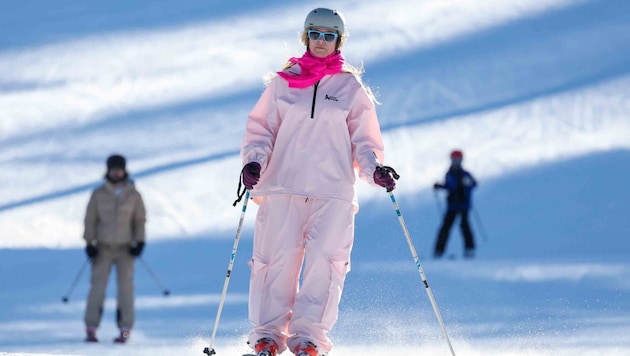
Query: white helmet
x=322, y=17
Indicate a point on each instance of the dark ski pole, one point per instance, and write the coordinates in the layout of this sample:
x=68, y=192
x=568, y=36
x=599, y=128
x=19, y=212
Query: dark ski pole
x=74, y=283
x=165, y=291
x=483, y=231
x=420, y=270
x=210, y=350
x=437, y=203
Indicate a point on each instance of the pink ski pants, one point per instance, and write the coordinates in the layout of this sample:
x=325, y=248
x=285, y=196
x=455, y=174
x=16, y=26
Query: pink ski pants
x=297, y=236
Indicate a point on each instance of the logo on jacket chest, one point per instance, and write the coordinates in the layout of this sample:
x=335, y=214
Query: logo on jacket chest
x=330, y=97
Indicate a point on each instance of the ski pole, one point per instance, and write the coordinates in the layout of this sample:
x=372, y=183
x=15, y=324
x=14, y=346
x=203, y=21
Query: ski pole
x=74, y=283
x=437, y=203
x=483, y=231
x=210, y=350
x=165, y=291
x=420, y=270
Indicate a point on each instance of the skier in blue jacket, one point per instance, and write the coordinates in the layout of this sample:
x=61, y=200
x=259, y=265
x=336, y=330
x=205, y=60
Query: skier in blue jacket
x=459, y=184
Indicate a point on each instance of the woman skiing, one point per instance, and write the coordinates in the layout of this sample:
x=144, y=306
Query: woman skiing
x=314, y=124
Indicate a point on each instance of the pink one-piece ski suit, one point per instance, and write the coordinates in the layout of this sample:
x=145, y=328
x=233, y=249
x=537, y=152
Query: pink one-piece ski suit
x=308, y=141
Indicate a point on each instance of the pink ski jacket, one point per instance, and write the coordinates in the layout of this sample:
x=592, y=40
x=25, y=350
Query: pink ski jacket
x=309, y=141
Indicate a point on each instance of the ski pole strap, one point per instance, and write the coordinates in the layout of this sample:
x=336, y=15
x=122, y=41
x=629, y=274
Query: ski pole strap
x=240, y=193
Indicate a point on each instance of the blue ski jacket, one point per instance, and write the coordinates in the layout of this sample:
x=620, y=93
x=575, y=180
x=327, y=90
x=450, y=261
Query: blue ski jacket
x=459, y=184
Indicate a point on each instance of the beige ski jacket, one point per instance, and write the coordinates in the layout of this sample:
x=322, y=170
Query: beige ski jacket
x=115, y=220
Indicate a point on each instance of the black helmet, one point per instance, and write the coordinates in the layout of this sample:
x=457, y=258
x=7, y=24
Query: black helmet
x=116, y=161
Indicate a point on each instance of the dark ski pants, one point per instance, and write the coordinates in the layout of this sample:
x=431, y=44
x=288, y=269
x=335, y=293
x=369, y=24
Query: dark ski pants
x=447, y=223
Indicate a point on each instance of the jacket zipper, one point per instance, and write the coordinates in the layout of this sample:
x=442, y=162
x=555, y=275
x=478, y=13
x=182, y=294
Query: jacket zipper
x=314, y=97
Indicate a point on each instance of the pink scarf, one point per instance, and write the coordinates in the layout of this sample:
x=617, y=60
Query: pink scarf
x=313, y=69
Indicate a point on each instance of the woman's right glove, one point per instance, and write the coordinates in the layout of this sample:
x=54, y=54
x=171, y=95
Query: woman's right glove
x=251, y=174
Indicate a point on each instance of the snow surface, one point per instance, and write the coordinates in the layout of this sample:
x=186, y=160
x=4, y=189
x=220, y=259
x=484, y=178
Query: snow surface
x=536, y=93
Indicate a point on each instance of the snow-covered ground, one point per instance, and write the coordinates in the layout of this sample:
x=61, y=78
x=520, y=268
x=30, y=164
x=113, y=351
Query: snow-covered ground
x=536, y=93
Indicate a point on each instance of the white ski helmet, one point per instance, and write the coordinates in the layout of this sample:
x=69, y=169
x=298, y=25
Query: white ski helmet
x=322, y=17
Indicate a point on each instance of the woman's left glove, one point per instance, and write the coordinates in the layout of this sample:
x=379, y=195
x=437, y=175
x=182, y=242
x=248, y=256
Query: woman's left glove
x=383, y=177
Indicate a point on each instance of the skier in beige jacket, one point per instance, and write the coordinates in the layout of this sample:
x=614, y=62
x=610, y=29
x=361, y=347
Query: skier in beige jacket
x=114, y=234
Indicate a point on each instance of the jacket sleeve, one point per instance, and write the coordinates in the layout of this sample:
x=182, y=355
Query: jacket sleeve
x=261, y=128
x=365, y=136
x=91, y=220
x=139, y=220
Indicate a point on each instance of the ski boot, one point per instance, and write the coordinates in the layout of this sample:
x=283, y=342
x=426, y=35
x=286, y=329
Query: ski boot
x=305, y=348
x=266, y=347
x=123, y=337
x=90, y=334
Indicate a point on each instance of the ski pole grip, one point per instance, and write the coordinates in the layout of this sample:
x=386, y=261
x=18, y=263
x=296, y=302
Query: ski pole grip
x=387, y=170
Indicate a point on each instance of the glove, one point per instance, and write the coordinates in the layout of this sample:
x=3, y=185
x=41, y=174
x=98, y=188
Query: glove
x=251, y=174
x=91, y=251
x=437, y=186
x=383, y=178
x=136, y=250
